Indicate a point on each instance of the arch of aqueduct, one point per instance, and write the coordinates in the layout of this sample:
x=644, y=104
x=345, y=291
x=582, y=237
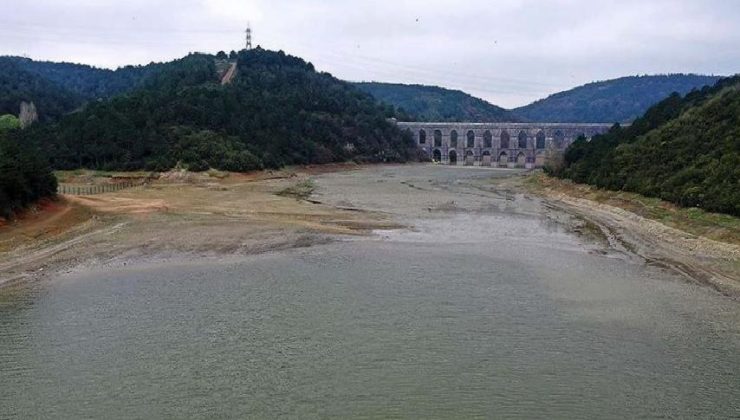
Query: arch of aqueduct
x=525, y=145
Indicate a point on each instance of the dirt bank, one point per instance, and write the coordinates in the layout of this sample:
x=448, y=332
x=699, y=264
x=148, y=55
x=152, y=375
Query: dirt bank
x=703, y=247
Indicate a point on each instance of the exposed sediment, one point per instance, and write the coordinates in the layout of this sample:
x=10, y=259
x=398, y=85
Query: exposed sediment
x=201, y=217
x=698, y=258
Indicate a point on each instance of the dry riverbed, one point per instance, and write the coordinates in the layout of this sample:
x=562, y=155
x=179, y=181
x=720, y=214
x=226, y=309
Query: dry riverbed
x=179, y=215
x=210, y=215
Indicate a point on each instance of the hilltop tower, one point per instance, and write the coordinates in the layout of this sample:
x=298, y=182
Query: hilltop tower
x=249, y=37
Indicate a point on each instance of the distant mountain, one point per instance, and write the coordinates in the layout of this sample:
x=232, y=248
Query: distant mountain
x=432, y=103
x=618, y=100
x=59, y=88
x=277, y=111
x=684, y=149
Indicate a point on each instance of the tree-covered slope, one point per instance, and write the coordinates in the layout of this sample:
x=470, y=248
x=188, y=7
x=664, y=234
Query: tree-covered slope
x=618, y=100
x=278, y=111
x=25, y=176
x=60, y=88
x=685, y=150
x=86, y=81
x=431, y=103
x=18, y=85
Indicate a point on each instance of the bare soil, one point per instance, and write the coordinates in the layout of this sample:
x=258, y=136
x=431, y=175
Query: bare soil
x=198, y=214
x=214, y=214
x=704, y=247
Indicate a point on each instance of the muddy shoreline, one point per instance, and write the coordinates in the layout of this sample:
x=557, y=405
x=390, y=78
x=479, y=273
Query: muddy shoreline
x=709, y=262
x=203, y=218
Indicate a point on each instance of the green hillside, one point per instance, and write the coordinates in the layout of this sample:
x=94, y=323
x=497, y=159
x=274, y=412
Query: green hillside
x=278, y=111
x=86, y=81
x=60, y=88
x=25, y=177
x=18, y=85
x=685, y=150
x=432, y=103
x=618, y=100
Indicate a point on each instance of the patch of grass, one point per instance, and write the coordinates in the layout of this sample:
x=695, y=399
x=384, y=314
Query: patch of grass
x=300, y=191
x=717, y=226
x=214, y=173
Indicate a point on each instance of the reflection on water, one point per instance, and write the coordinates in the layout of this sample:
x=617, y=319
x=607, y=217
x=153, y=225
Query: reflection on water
x=458, y=318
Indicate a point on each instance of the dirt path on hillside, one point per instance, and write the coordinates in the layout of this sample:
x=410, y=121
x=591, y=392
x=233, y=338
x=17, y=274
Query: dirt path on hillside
x=229, y=76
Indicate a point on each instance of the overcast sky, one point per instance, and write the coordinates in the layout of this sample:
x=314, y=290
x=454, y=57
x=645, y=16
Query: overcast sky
x=509, y=52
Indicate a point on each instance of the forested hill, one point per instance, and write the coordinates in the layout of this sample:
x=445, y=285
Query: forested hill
x=18, y=85
x=60, y=88
x=618, y=100
x=684, y=149
x=432, y=103
x=277, y=111
x=86, y=81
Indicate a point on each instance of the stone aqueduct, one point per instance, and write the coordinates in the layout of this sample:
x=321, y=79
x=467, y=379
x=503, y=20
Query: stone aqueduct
x=525, y=145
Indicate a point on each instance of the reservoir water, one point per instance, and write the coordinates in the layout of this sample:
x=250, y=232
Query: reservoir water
x=484, y=307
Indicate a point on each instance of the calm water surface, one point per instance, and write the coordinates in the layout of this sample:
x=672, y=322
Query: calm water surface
x=489, y=314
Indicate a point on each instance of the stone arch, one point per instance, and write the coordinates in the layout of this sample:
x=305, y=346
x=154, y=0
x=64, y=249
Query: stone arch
x=453, y=138
x=437, y=138
x=505, y=140
x=521, y=160
x=471, y=139
x=422, y=137
x=486, y=158
x=503, y=159
x=559, y=139
x=452, y=157
x=469, y=158
x=487, y=139
x=522, y=140
x=437, y=155
x=540, y=140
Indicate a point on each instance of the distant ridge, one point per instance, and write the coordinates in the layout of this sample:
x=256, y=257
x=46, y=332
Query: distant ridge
x=59, y=88
x=433, y=103
x=610, y=101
